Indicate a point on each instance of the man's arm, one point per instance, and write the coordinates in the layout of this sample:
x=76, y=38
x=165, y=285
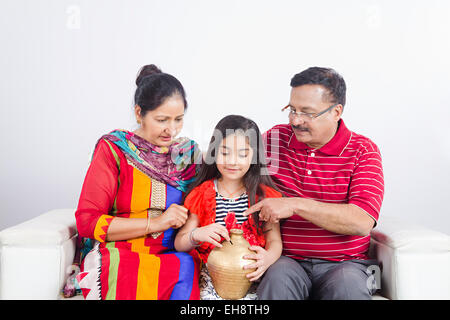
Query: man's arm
x=338, y=218
x=357, y=217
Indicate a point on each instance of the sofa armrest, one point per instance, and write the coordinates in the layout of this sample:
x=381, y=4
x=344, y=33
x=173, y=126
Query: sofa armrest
x=414, y=260
x=36, y=256
x=51, y=228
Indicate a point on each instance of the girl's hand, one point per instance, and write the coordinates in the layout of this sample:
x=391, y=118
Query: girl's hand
x=211, y=233
x=263, y=261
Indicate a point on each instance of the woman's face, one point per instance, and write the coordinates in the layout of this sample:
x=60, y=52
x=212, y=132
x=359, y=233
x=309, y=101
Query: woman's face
x=234, y=157
x=161, y=125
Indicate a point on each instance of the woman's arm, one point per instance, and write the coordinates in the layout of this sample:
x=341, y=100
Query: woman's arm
x=97, y=198
x=98, y=194
x=125, y=228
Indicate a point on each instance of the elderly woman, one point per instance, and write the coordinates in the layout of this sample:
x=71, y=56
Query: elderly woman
x=130, y=200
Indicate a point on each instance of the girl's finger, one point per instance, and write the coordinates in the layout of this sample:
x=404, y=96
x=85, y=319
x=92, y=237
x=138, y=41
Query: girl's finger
x=215, y=236
x=256, y=248
x=250, y=257
x=256, y=278
x=253, y=265
x=224, y=233
x=255, y=275
x=214, y=242
x=221, y=227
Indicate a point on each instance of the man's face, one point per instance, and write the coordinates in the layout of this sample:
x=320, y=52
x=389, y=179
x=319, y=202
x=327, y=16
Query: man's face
x=312, y=98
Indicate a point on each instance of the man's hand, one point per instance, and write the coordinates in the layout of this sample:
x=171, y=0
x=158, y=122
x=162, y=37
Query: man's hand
x=272, y=209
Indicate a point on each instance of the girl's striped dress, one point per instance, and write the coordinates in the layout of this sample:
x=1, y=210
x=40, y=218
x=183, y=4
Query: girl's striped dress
x=142, y=268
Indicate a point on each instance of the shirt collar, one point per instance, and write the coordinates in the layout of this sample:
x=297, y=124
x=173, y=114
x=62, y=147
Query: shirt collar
x=334, y=147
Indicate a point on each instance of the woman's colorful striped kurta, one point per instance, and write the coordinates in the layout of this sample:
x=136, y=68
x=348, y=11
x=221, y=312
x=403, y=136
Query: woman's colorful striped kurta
x=142, y=268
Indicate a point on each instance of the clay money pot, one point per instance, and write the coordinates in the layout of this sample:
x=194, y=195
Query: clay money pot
x=225, y=266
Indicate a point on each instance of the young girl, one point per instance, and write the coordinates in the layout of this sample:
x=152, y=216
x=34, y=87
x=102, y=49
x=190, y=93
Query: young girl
x=232, y=178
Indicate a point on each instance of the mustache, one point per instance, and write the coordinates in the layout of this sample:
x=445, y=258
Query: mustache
x=301, y=128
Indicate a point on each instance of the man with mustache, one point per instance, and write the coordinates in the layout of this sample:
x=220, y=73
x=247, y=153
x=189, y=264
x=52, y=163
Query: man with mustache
x=332, y=179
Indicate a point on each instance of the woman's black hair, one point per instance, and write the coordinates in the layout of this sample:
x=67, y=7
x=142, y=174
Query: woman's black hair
x=154, y=87
x=256, y=175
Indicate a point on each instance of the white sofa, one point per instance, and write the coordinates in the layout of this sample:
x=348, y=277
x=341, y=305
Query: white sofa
x=36, y=258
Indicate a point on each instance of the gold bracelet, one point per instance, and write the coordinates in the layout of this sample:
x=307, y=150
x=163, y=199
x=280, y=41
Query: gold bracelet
x=148, y=225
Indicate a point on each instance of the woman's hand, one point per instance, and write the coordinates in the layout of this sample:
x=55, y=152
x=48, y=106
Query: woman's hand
x=263, y=261
x=211, y=233
x=174, y=217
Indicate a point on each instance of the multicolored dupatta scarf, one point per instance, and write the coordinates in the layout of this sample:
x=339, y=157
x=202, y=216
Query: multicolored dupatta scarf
x=176, y=165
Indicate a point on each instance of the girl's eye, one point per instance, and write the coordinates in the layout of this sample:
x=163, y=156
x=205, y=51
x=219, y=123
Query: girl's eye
x=244, y=153
x=179, y=120
x=161, y=121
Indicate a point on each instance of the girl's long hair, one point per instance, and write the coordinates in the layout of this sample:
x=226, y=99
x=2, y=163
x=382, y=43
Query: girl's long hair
x=256, y=175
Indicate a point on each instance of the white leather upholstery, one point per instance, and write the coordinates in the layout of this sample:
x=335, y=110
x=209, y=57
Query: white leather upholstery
x=35, y=258
x=415, y=261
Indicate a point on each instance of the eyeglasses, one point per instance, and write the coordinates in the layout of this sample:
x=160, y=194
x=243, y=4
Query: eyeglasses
x=307, y=115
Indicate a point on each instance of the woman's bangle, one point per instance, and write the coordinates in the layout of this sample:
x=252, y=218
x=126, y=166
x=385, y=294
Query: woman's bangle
x=148, y=226
x=191, y=238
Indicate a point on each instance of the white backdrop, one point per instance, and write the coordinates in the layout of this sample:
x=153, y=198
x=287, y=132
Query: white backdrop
x=68, y=71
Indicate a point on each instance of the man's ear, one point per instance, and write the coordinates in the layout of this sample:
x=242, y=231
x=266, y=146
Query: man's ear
x=337, y=111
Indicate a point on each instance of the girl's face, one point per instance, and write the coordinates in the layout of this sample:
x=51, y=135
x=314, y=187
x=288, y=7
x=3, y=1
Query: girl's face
x=234, y=156
x=160, y=126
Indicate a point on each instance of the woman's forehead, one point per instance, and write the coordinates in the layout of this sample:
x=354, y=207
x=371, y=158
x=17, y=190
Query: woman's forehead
x=171, y=107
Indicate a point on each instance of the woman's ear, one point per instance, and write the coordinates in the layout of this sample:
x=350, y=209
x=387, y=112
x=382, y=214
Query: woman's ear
x=137, y=113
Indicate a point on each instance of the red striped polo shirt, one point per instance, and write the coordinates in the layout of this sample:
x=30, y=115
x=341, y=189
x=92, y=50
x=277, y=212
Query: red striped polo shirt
x=347, y=169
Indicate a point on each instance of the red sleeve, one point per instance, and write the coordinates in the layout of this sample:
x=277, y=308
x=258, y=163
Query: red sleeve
x=366, y=188
x=202, y=202
x=193, y=200
x=98, y=194
x=271, y=193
